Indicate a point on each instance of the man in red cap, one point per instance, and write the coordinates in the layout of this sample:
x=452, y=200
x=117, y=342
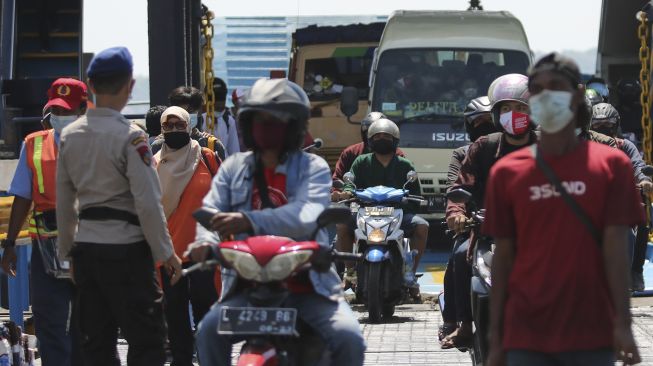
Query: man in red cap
x=35, y=182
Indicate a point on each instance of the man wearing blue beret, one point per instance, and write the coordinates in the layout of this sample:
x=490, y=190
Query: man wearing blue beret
x=117, y=230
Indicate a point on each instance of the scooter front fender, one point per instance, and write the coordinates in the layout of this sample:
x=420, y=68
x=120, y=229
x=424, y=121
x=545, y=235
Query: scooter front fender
x=376, y=254
x=257, y=356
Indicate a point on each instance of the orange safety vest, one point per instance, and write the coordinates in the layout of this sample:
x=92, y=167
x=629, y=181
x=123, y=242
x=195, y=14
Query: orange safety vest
x=41, y=149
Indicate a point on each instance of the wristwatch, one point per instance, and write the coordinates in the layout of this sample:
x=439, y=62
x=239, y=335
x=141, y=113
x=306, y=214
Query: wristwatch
x=6, y=243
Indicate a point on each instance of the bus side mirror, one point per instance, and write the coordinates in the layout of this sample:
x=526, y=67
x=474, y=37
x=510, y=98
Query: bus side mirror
x=349, y=101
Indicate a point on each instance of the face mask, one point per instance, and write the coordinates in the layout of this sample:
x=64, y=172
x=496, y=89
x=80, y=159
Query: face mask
x=482, y=130
x=269, y=135
x=59, y=122
x=383, y=146
x=193, y=121
x=177, y=139
x=515, y=123
x=578, y=131
x=551, y=109
x=470, y=92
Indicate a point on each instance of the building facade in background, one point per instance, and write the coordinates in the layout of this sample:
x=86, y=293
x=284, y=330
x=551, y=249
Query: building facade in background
x=249, y=48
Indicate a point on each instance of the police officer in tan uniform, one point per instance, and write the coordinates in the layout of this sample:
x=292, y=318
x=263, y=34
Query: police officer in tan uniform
x=117, y=229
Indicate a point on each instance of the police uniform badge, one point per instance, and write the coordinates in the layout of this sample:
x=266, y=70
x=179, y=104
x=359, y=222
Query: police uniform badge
x=143, y=149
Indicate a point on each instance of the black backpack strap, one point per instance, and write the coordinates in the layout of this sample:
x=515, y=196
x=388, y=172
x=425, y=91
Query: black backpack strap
x=225, y=117
x=575, y=207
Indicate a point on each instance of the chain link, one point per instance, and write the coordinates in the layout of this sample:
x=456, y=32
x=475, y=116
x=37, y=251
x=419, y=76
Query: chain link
x=643, y=33
x=207, y=52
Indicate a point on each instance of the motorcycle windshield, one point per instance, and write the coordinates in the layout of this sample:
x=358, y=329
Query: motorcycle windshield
x=381, y=194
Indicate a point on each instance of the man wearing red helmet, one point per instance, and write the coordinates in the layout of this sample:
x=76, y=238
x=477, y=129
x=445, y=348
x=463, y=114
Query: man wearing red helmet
x=35, y=182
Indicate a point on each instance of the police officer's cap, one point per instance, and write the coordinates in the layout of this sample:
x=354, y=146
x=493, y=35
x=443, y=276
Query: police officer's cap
x=114, y=60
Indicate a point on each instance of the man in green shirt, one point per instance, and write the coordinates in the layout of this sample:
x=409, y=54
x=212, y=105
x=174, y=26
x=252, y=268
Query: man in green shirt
x=383, y=167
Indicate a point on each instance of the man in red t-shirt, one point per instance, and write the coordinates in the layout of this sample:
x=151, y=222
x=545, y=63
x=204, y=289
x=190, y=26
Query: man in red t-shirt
x=558, y=296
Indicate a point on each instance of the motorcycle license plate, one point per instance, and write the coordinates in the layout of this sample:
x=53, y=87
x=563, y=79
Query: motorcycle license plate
x=251, y=320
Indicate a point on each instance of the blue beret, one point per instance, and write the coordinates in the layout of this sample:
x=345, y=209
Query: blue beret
x=111, y=61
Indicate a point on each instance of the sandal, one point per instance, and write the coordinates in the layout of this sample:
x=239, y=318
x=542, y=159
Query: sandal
x=445, y=329
x=457, y=341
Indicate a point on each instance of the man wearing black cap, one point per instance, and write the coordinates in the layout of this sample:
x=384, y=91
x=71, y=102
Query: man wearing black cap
x=111, y=222
x=560, y=269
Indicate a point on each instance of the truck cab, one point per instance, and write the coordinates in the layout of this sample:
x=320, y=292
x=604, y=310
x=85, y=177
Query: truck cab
x=428, y=66
x=325, y=60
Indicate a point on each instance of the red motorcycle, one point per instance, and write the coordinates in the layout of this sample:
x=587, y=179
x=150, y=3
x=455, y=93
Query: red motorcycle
x=267, y=267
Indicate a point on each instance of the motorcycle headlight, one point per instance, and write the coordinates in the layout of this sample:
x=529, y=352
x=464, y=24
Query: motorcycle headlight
x=244, y=263
x=376, y=236
x=281, y=266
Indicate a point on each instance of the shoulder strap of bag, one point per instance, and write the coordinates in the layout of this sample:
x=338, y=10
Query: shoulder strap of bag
x=575, y=207
x=211, y=160
x=225, y=118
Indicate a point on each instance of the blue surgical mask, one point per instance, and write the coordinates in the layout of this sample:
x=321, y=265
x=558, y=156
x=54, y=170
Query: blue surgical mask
x=193, y=120
x=59, y=122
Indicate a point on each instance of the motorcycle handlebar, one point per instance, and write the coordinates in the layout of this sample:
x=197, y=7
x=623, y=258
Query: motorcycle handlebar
x=201, y=266
x=343, y=256
x=419, y=201
x=208, y=264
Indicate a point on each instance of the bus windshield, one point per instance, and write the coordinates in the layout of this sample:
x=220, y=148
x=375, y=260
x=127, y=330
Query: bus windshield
x=433, y=86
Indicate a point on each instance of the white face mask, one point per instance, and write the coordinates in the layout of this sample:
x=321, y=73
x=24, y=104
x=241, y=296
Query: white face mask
x=193, y=121
x=551, y=109
x=59, y=122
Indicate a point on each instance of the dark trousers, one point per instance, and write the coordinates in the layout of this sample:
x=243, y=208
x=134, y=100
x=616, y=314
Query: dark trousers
x=198, y=289
x=457, y=284
x=641, y=242
x=52, y=304
x=117, y=288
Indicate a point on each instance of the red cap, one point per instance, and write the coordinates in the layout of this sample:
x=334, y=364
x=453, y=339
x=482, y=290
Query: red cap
x=66, y=93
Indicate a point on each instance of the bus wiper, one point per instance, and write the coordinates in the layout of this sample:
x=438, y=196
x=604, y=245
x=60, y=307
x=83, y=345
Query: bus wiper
x=426, y=116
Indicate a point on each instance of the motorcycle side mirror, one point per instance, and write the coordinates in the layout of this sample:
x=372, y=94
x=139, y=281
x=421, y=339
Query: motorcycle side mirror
x=459, y=195
x=349, y=178
x=204, y=215
x=648, y=171
x=349, y=101
x=338, y=184
x=410, y=178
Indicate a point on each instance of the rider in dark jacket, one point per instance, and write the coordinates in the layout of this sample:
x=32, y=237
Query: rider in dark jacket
x=457, y=277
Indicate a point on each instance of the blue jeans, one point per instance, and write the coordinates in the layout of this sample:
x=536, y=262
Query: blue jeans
x=52, y=304
x=599, y=357
x=333, y=321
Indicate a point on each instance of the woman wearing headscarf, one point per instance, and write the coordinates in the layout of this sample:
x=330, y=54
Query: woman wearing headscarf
x=185, y=172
